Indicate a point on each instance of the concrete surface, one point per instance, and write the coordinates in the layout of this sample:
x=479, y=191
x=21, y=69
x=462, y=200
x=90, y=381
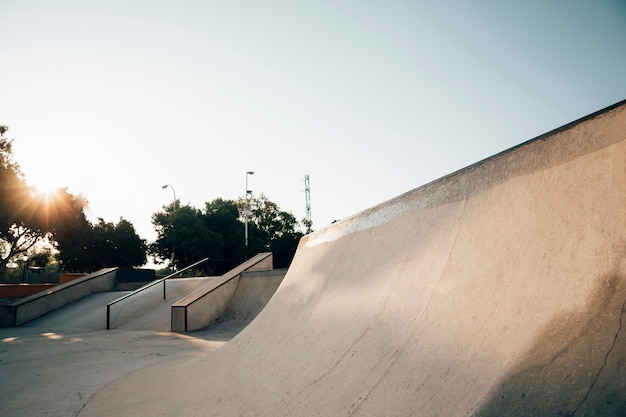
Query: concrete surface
x=54, y=373
x=498, y=290
x=53, y=365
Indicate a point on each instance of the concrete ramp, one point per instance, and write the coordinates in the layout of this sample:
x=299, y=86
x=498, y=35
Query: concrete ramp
x=498, y=290
x=147, y=310
x=39, y=304
x=200, y=308
x=88, y=313
x=254, y=290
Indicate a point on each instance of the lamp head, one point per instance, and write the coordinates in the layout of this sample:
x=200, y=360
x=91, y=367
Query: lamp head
x=250, y=172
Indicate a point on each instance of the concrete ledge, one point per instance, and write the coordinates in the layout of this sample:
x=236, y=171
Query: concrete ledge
x=70, y=276
x=36, y=305
x=200, y=308
x=7, y=315
x=22, y=290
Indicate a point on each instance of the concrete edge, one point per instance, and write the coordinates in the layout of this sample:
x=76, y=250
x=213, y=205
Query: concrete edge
x=199, y=308
x=462, y=174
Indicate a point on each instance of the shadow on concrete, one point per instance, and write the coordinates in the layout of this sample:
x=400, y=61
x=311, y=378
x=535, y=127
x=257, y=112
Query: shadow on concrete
x=577, y=366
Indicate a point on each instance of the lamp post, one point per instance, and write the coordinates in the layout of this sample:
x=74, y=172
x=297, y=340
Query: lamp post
x=246, y=210
x=173, y=212
x=25, y=273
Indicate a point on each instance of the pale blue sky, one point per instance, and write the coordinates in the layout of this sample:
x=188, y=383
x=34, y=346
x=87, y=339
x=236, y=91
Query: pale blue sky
x=371, y=99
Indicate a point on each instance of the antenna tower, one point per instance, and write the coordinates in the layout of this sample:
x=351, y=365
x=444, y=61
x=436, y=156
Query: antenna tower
x=307, y=193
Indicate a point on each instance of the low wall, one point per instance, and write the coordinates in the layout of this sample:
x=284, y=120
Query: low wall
x=70, y=276
x=49, y=298
x=200, y=308
x=37, y=305
x=134, y=276
x=130, y=279
x=22, y=290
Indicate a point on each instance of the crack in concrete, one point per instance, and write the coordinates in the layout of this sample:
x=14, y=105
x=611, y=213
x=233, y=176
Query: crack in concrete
x=606, y=358
x=83, y=403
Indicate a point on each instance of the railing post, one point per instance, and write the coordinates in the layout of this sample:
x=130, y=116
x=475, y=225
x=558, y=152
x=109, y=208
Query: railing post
x=108, y=317
x=164, y=293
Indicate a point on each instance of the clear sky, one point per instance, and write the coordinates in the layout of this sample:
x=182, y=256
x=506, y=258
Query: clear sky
x=371, y=99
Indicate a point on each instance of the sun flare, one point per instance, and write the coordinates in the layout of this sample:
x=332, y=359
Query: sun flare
x=43, y=185
x=45, y=191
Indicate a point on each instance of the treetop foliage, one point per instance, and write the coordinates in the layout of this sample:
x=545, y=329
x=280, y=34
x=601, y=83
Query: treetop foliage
x=217, y=232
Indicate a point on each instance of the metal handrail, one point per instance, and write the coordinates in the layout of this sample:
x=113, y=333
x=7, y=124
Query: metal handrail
x=150, y=285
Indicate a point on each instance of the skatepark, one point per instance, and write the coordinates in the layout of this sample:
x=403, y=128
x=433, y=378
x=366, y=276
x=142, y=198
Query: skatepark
x=498, y=290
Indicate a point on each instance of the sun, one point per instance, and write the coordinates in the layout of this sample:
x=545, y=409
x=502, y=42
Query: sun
x=43, y=182
x=46, y=191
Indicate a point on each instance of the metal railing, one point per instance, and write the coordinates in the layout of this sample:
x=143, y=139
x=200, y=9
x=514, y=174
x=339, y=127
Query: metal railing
x=150, y=285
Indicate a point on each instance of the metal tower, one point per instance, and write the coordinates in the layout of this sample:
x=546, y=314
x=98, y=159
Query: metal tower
x=307, y=192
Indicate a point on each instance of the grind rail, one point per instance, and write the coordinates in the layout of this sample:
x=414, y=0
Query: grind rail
x=150, y=285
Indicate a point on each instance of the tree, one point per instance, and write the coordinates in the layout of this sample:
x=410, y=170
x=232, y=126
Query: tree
x=84, y=247
x=110, y=244
x=130, y=249
x=222, y=217
x=21, y=225
x=70, y=230
x=280, y=228
x=217, y=232
x=27, y=218
x=181, y=231
x=163, y=248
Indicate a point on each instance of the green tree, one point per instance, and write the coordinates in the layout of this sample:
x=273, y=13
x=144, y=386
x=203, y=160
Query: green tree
x=181, y=231
x=27, y=218
x=217, y=232
x=222, y=217
x=70, y=231
x=131, y=250
x=280, y=228
x=109, y=244
x=84, y=247
x=163, y=248
x=21, y=222
x=42, y=257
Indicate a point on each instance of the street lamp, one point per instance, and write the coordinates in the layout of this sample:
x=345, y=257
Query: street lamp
x=246, y=209
x=25, y=273
x=173, y=212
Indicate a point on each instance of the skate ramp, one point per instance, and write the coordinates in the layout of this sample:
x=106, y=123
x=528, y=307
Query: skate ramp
x=88, y=313
x=147, y=310
x=498, y=290
x=200, y=308
x=254, y=291
x=36, y=305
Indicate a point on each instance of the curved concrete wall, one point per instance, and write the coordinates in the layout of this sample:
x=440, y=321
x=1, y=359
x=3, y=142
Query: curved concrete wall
x=499, y=290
